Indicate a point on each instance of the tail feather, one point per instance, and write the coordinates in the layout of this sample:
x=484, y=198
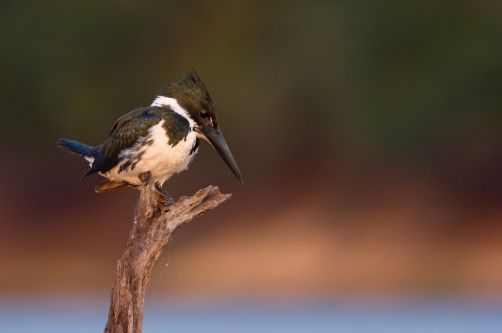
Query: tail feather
x=77, y=147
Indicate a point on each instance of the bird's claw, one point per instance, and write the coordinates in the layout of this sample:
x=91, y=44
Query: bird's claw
x=167, y=201
x=145, y=177
x=164, y=197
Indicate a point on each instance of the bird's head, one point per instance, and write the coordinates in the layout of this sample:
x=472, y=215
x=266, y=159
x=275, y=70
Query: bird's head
x=191, y=95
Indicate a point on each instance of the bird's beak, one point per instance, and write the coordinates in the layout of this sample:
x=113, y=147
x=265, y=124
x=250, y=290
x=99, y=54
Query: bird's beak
x=216, y=139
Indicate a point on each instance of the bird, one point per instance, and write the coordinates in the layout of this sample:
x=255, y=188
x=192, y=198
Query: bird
x=150, y=144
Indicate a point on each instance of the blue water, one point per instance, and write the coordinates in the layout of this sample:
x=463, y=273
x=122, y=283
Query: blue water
x=398, y=316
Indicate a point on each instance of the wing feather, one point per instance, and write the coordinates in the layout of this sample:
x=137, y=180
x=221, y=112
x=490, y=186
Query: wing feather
x=129, y=128
x=124, y=133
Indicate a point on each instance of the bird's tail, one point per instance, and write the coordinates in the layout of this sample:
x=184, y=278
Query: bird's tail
x=77, y=147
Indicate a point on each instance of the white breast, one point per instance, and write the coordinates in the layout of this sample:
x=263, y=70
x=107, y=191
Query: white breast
x=159, y=158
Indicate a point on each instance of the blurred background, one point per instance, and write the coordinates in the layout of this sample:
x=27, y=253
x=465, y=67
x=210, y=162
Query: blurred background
x=369, y=136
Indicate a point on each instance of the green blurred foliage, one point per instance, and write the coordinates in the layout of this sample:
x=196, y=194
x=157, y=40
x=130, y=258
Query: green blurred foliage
x=395, y=79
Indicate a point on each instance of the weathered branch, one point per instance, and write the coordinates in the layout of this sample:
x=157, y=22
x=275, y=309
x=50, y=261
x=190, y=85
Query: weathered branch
x=154, y=222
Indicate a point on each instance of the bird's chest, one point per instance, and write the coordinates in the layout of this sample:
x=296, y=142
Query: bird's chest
x=157, y=154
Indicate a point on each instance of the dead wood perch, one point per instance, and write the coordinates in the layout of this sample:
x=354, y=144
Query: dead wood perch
x=154, y=222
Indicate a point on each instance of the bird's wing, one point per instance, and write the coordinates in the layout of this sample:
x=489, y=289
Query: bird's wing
x=125, y=132
x=129, y=128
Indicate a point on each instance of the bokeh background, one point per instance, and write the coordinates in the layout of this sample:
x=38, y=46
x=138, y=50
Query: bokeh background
x=368, y=133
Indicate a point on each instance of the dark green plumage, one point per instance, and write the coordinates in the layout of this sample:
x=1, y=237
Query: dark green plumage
x=129, y=128
x=192, y=95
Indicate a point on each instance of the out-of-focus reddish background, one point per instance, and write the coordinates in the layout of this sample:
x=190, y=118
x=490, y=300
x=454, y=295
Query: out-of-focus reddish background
x=369, y=137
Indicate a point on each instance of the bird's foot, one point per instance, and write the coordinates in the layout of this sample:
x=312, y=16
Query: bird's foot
x=164, y=197
x=145, y=177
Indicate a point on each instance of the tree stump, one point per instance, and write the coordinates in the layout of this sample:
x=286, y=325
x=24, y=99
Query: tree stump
x=154, y=221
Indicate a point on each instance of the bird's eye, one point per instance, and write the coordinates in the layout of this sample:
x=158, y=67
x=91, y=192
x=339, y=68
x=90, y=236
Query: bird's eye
x=204, y=114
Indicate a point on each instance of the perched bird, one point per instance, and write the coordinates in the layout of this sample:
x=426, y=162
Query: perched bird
x=154, y=142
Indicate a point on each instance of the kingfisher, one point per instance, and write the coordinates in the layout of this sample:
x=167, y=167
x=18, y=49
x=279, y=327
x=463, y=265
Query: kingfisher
x=150, y=144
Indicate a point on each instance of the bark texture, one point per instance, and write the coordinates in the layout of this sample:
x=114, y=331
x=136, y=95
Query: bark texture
x=154, y=221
